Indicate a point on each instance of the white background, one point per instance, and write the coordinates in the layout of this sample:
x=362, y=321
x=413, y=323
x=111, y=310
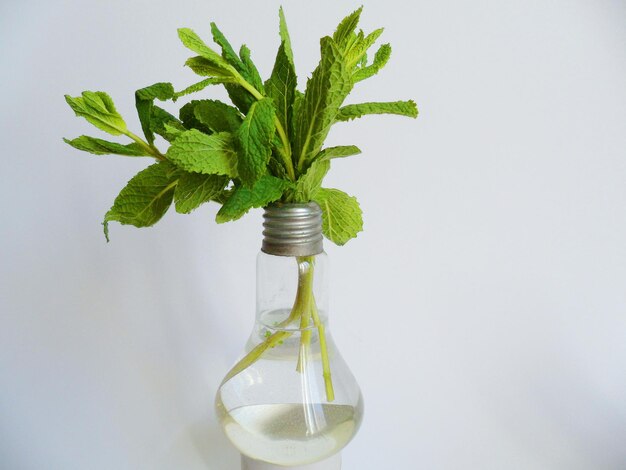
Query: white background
x=483, y=309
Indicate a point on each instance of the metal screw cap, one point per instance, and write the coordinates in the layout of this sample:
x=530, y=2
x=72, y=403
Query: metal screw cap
x=292, y=229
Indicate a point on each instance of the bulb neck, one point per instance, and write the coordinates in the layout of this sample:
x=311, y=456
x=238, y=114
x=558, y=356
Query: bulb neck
x=292, y=229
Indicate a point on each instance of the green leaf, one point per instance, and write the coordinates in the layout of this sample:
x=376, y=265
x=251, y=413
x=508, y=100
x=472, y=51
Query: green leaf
x=162, y=91
x=98, y=108
x=295, y=116
x=284, y=36
x=337, y=152
x=380, y=60
x=204, y=67
x=208, y=154
x=187, y=115
x=217, y=116
x=276, y=166
x=326, y=89
x=240, y=97
x=193, y=42
x=281, y=87
x=267, y=189
x=194, y=189
x=360, y=48
x=353, y=111
x=254, y=140
x=164, y=124
x=342, y=218
x=201, y=85
x=146, y=197
x=244, y=66
x=363, y=61
x=103, y=147
x=250, y=72
x=172, y=130
x=228, y=53
x=346, y=28
x=311, y=181
x=144, y=101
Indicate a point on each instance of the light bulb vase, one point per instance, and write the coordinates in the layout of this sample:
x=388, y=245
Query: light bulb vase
x=290, y=401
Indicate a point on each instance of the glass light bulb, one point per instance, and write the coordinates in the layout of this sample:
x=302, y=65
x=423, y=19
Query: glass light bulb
x=291, y=399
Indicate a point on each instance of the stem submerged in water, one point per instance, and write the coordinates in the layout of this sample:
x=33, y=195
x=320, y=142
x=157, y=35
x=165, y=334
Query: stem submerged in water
x=305, y=310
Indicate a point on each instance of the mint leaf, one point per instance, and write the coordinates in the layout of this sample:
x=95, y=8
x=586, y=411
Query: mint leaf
x=103, y=147
x=217, y=116
x=380, y=60
x=267, y=189
x=201, y=85
x=187, y=115
x=342, y=218
x=276, y=166
x=254, y=140
x=208, y=154
x=162, y=91
x=172, y=130
x=360, y=47
x=353, y=111
x=311, y=181
x=281, y=87
x=98, y=108
x=204, y=67
x=295, y=116
x=144, y=101
x=326, y=89
x=228, y=53
x=346, y=28
x=146, y=197
x=193, y=42
x=284, y=36
x=164, y=124
x=243, y=65
x=337, y=152
x=194, y=189
x=240, y=97
x=250, y=72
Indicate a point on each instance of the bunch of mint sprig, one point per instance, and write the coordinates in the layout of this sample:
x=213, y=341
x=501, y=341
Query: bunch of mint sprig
x=266, y=147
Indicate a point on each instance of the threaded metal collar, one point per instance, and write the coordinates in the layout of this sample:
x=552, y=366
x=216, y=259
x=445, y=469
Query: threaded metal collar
x=292, y=229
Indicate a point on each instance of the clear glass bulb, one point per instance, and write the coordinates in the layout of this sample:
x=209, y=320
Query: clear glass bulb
x=291, y=399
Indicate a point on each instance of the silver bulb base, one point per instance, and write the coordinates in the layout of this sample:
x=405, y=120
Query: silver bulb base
x=292, y=229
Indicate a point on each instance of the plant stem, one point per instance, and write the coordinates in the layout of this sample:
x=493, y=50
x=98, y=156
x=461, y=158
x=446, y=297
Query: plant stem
x=305, y=309
x=328, y=381
x=305, y=286
x=305, y=281
x=256, y=352
x=151, y=149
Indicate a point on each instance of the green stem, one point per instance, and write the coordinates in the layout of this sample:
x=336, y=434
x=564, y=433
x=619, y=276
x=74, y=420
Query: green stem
x=305, y=309
x=328, y=381
x=305, y=286
x=151, y=149
x=256, y=352
x=271, y=341
x=309, y=310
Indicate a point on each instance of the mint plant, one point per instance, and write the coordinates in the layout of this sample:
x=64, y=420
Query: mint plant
x=267, y=147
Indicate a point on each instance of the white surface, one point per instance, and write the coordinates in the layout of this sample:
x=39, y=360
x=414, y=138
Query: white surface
x=483, y=309
x=333, y=463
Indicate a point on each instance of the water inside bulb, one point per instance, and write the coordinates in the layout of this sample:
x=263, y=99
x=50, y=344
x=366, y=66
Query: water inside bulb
x=277, y=410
